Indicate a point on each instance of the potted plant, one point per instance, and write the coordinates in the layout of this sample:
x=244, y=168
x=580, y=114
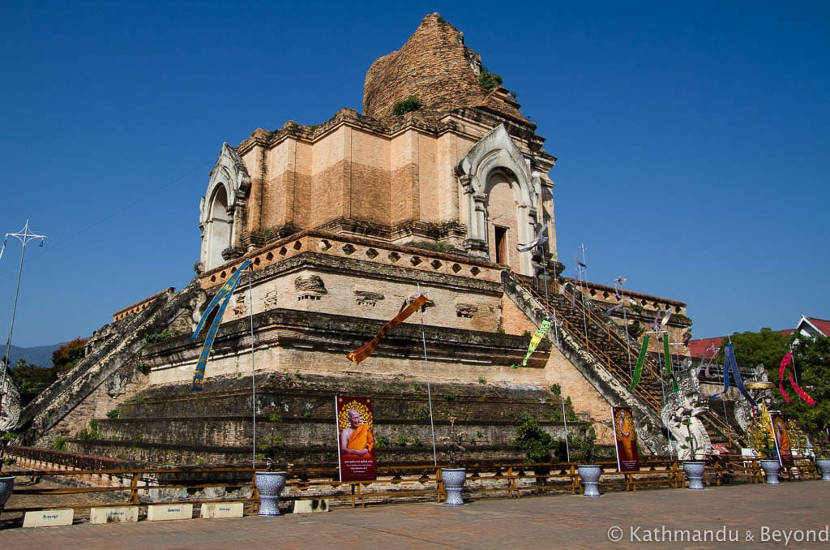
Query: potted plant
x=822, y=461
x=269, y=483
x=589, y=472
x=765, y=445
x=454, y=476
x=693, y=467
x=6, y=482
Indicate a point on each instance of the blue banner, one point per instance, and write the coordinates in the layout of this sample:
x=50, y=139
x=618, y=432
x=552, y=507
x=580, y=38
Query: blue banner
x=219, y=301
x=730, y=372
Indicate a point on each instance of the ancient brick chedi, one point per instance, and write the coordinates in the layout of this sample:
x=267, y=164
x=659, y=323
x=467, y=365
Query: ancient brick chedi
x=430, y=190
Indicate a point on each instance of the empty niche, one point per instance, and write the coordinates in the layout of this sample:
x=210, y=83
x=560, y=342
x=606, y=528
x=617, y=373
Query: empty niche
x=465, y=311
x=367, y=297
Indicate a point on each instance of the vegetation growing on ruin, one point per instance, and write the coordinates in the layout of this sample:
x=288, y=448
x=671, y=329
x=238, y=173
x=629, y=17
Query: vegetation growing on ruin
x=411, y=103
x=489, y=80
x=90, y=434
x=158, y=337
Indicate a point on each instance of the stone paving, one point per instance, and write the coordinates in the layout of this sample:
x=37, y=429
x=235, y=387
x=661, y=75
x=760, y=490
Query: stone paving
x=755, y=515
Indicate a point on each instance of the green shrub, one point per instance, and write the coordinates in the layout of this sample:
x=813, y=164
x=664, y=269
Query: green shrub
x=59, y=444
x=157, y=337
x=533, y=440
x=92, y=433
x=113, y=413
x=411, y=103
x=489, y=80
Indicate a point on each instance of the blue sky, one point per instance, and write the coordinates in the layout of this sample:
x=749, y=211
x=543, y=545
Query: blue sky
x=692, y=138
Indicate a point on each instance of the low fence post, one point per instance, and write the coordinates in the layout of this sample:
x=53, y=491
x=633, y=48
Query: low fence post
x=254, y=494
x=134, y=488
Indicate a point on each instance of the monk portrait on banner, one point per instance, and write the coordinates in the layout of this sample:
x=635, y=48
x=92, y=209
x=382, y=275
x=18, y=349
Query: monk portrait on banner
x=626, y=438
x=356, y=440
x=781, y=434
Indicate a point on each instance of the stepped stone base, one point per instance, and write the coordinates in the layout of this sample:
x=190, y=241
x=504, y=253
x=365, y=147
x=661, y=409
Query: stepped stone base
x=173, y=425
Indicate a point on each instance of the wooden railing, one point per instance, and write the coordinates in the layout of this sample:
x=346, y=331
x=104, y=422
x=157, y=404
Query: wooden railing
x=395, y=482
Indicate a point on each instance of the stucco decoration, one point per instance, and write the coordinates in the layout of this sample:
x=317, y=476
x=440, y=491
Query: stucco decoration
x=496, y=153
x=222, y=206
x=270, y=299
x=197, y=304
x=683, y=406
x=311, y=285
x=117, y=385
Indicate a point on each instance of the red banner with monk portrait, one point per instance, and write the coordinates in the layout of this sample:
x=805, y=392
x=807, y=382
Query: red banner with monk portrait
x=625, y=438
x=355, y=440
x=782, y=439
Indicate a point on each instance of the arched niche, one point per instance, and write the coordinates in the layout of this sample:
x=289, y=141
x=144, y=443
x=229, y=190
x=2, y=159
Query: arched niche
x=217, y=227
x=222, y=207
x=498, y=202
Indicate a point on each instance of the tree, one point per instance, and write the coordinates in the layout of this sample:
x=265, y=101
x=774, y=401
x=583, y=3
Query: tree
x=66, y=356
x=755, y=348
x=812, y=363
x=31, y=380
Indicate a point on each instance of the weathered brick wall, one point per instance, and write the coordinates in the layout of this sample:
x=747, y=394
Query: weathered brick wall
x=433, y=65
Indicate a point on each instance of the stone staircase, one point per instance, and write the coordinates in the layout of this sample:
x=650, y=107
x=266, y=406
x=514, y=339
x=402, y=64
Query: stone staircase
x=601, y=337
x=113, y=355
x=605, y=342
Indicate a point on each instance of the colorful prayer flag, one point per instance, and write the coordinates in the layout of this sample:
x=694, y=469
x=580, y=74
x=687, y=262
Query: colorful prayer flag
x=219, y=303
x=368, y=348
x=785, y=362
x=534, y=341
x=638, y=368
x=731, y=371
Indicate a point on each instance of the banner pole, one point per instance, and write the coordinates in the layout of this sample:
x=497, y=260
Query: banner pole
x=253, y=369
x=429, y=389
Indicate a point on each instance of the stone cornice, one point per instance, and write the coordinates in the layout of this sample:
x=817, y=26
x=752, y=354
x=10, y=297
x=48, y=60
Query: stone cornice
x=432, y=123
x=419, y=262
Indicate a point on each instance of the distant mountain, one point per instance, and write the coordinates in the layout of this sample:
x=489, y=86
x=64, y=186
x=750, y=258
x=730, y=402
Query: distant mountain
x=38, y=355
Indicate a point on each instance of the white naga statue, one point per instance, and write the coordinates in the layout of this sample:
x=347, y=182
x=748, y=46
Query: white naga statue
x=680, y=413
x=10, y=404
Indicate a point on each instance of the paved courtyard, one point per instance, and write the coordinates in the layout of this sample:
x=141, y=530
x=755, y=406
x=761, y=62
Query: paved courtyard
x=759, y=516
